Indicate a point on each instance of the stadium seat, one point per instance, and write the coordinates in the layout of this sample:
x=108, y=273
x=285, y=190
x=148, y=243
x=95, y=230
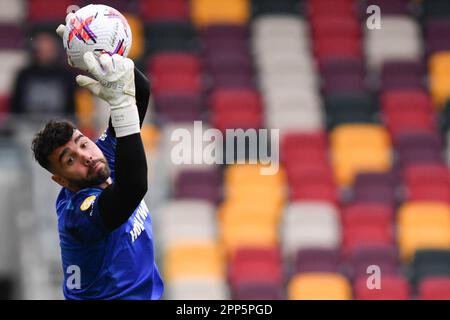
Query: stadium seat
x=174, y=62
x=339, y=26
x=402, y=74
x=267, y=210
x=199, y=184
x=169, y=10
x=375, y=188
x=430, y=263
x=438, y=8
x=316, y=260
x=193, y=260
x=178, y=106
x=206, y=12
x=357, y=148
x=255, y=234
x=253, y=269
x=309, y=224
x=44, y=11
x=186, y=220
x=344, y=106
x=319, y=286
x=235, y=108
x=405, y=100
x=15, y=13
x=16, y=60
x=394, y=7
x=273, y=26
x=12, y=37
x=435, y=288
x=265, y=7
x=427, y=183
x=198, y=289
x=264, y=290
x=364, y=255
x=168, y=36
x=393, y=287
x=423, y=225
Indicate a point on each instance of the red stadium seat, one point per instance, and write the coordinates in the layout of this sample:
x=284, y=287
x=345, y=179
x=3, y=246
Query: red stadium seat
x=251, y=253
x=249, y=265
x=337, y=47
x=304, y=156
x=367, y=214
x=367, y=235
x=164, y=10
x=336, y=27
x=245, y=119
x=405, y=100
x=43, y=11
x=427, y=174
x=303, y=174
x=173, y=62
x=297, y=140
x=171, y=82
x=315, y=192
x=400, y=121
x=236, y=108
x=427, y=182
x=336, y=8
x=234, y=100
x=435, y=288
x=393, y=287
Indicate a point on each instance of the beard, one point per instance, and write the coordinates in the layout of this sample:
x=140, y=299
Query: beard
x=94, y=178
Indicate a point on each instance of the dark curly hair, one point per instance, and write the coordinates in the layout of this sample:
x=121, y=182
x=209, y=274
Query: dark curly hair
x=54, y=135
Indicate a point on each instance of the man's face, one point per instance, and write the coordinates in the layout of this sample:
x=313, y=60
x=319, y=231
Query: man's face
x=79, y=163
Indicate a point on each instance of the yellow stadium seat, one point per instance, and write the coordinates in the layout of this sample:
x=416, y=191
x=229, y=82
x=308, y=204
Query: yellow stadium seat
x=150, y=136
x=439, y=63
x=350, y=135
x=246, y=173
x=319, y=286
x=84, y=107
x=349, y=162
x=235, y=235
x=257, y=192
x=190, y=260
x=440, y=89
x=423, y=225
x=137, y=30
x=263, y=209
x=206, y=12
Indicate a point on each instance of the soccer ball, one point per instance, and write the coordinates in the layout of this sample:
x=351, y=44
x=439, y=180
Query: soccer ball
x=96, y=28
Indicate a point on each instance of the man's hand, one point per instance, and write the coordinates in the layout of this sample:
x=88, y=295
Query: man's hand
x=115, y=84
x=115, y=79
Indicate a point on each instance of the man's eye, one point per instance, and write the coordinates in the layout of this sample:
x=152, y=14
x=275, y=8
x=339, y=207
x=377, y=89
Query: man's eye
x=84, y=144
x=70, y=161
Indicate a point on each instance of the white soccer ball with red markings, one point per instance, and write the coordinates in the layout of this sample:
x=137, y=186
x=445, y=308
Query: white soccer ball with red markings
x=97, y=28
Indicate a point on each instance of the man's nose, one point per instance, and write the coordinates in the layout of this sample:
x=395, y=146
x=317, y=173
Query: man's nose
x=87, y=160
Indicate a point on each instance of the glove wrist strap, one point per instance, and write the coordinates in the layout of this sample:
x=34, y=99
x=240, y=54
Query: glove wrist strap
x=125, y=120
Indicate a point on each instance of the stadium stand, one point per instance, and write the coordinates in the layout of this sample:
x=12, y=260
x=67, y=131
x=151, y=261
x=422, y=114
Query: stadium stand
x=364, y=120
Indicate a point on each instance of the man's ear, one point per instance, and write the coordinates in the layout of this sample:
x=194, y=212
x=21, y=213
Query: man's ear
x=60, y=180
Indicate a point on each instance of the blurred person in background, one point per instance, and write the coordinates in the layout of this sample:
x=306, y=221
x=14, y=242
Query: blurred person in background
x=45, y=87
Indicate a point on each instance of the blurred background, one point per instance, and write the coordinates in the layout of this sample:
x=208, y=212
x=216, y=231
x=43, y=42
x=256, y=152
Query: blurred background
x=364, y=120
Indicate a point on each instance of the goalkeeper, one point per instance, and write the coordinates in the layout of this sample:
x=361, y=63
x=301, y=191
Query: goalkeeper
x=104, y=225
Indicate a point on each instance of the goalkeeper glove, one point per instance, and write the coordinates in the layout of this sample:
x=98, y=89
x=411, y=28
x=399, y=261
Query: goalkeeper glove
x=114, y=83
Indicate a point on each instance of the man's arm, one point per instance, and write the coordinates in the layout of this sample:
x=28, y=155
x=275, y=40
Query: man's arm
x=116, y=85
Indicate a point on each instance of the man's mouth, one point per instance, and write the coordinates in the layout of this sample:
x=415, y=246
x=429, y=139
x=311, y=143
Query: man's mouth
x=95, y=168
